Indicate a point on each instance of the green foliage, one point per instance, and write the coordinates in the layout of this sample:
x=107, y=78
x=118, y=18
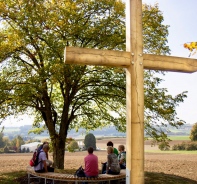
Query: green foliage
x=6, y=141
x=160, y=109
x=189, y=146
x=152, y=20
x=17, y=141
x=23, y=150
x=2, y=143
x=37, y=130
x=164, y=146
x=90, y=141
x=69, y=140
x=72, y=146
x=34, y=78
x=1, y=150
x=50, y=147
x=193, y=133
x=6, y=149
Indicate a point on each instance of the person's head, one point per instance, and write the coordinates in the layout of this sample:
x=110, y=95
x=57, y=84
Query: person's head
x=90, y=150
x=110, y=149
x=45, y=143
x=121, y=148
x=110, y=144
x=45, y=148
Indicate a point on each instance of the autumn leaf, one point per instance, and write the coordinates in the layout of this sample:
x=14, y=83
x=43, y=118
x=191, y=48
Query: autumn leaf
x=192, y=47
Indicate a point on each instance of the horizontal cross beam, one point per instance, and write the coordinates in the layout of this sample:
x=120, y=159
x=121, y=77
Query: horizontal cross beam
x=84, y=56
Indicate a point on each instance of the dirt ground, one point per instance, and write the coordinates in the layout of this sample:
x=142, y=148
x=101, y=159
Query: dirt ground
x=184, y=165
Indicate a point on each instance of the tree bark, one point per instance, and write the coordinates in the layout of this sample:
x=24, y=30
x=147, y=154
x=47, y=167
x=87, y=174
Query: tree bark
x=57, y=140
x=58, y=151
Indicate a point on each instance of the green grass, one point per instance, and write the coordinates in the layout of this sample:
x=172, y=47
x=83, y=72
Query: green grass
x=179, y=138
x=11, y=178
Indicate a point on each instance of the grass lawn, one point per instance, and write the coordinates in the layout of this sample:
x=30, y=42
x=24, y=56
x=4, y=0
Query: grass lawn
x=10, y=178
x=150, y=178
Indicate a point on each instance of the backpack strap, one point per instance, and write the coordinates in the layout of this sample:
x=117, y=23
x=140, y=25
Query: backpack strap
x=38, y=155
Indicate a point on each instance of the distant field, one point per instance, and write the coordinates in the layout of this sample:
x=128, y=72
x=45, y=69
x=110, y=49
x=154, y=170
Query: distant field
x=40, y=137
x=179, y=138
x=173, y=152
x=10, y=130
x=180, y=131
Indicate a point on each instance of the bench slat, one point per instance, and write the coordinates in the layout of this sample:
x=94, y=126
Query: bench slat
x=70, y=177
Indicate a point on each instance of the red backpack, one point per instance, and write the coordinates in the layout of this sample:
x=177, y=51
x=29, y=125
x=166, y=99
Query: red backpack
x=35, y=158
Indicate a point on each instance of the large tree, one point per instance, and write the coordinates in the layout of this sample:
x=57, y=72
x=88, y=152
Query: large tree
x=34, y=78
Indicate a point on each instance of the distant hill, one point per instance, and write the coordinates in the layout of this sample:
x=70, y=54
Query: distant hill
x=23, y=131
x=104, y=132
x=110, y=131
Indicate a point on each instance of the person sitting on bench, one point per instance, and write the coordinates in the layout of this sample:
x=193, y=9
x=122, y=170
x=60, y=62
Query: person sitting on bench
x=122, y=156
x=49, y=162
x=42, y=159
x=91, y=164
x=112, y=166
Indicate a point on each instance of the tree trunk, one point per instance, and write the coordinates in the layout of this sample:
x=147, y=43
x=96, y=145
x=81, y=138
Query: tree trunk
x=58, y=151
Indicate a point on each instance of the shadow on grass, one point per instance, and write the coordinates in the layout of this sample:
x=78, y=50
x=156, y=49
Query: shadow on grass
x=162, y=178
x=12, y=177
x=150, y=178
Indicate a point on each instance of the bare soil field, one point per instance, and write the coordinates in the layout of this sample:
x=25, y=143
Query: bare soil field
x=184, y=165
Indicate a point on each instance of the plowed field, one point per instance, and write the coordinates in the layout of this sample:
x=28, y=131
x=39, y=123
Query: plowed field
x=184, y=165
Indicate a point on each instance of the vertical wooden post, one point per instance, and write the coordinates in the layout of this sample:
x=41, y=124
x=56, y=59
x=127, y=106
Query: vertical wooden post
x=135, y=93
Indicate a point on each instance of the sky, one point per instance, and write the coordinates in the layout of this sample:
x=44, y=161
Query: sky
x=181, y=16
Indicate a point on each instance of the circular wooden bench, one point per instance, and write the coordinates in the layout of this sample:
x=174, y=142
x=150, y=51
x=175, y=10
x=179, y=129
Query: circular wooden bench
x=70, y=177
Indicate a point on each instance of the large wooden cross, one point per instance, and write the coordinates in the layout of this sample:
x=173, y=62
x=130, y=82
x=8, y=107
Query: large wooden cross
x=135, y=62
